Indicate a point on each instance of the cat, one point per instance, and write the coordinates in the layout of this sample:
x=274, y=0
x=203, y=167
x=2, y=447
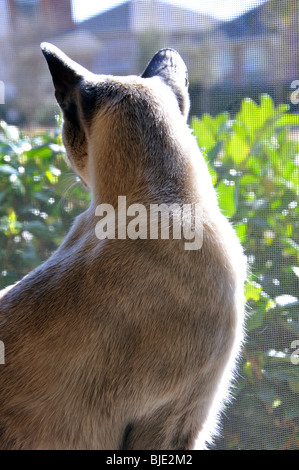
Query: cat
x=119, y=342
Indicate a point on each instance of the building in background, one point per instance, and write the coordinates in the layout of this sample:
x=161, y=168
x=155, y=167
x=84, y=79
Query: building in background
x=24, y=24
x=132, y=32
x=252, y=54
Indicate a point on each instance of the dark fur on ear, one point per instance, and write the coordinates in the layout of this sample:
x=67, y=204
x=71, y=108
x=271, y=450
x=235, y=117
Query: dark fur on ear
x=170, y=67
x=65, y=72
x=68, y=77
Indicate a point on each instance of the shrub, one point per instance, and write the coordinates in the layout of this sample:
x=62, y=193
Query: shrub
x=39, y=198
x=254, y=160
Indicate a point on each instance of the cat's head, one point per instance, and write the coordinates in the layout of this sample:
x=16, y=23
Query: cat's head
x=129, y=106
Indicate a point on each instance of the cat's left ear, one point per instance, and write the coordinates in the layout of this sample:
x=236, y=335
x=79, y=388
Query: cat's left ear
x=66, y=73
x=170, y=67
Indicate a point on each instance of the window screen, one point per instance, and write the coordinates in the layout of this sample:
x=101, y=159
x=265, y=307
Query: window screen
x=243, y=67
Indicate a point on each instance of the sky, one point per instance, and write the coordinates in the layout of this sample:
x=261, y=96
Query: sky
x=220, y=9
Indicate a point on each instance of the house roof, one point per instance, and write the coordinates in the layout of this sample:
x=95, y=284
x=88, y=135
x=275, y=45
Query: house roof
x=250, y=23
x=140, y=15
x=114, y=19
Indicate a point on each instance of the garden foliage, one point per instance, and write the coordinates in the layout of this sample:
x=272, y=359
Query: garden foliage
x=39, y=198
x=254, y=161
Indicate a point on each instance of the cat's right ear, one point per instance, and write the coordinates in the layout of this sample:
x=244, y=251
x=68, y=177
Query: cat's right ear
x=170, y=67
x=65, y=72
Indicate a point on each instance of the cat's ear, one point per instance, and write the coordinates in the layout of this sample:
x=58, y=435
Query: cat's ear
x=170, y=67
x=67, y=77
x=65, y=72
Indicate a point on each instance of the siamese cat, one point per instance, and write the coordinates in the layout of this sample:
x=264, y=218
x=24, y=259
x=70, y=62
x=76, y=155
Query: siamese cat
x=118, y=341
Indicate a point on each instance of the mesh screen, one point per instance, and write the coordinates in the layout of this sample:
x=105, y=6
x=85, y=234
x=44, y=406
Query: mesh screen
x=243, y=67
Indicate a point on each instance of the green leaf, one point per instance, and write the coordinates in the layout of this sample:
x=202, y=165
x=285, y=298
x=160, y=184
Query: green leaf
x=291, y=243
x=252, y=291
x=240, y=230
x=249, y=113
x=203, y=134
x=13, y=226
x=287, y=120
x=267, y=107
x=226, y=198
x=50, y=176
x=238, y=149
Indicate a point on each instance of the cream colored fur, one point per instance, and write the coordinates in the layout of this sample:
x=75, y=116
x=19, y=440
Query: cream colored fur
x=125, y=344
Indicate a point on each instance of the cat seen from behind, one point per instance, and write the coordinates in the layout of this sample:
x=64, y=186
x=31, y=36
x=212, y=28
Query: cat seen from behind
x=124, y=338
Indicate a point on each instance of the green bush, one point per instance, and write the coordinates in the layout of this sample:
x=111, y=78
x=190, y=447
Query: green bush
x=39, y=198
x=254, y=162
